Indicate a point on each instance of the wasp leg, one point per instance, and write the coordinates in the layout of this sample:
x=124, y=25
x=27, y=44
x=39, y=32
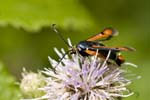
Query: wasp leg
x=60, y=60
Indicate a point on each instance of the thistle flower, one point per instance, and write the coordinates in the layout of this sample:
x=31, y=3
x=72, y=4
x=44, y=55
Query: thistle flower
x=30, y=84
x=80, y=78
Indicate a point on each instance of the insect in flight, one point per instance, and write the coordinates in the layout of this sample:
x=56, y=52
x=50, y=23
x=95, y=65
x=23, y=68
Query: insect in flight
x=93, y=46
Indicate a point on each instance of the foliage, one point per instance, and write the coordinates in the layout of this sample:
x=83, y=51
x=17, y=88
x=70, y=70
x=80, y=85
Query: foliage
x=9, y=90
x=33, y=15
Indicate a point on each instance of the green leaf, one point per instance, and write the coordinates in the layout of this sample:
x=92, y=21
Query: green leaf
x=35, y=14
x=8, y=89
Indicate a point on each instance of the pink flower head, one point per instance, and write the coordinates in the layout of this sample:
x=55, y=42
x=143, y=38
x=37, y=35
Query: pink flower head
x=80, y=78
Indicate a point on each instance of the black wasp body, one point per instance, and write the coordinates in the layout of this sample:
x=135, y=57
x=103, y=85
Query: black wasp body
x=85, y=48
x=87, y=45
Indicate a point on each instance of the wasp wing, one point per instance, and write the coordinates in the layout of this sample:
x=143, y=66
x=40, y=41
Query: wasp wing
x=106, y=34
x=116, y=49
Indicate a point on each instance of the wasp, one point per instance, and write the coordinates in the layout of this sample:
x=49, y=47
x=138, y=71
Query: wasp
x=94, y=46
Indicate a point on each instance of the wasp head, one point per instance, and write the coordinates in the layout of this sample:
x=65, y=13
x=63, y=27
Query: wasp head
x=73, y=50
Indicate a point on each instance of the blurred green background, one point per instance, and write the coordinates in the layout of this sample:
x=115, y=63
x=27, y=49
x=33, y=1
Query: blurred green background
x=26, y=39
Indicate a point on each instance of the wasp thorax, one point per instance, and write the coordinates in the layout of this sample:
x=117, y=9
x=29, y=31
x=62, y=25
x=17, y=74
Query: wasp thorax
x=83, y=45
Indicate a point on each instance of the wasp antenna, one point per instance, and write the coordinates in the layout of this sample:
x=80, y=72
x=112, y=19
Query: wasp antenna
x=59, y=34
